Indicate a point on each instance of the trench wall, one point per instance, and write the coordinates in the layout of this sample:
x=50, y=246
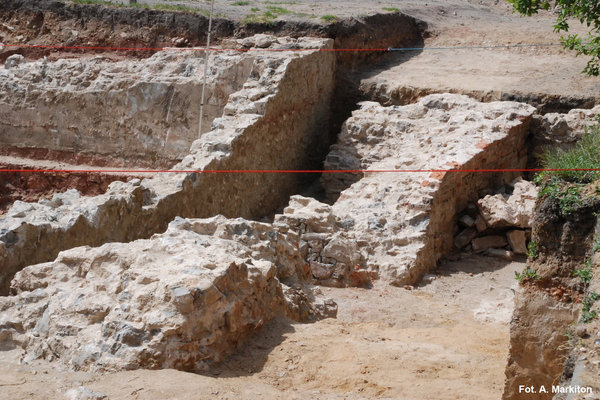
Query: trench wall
x=130, y=113
x=547, y=308
x=277, y=119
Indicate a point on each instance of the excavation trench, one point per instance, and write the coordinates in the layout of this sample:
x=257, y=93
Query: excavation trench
x=150, y=125
x=131, y=114
x=271, y=110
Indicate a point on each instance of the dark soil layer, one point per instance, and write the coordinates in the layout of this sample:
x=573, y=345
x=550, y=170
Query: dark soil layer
x=33, y=186
x=47, y=22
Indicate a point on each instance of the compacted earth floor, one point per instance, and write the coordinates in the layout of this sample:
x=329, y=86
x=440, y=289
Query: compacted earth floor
x=445, y=339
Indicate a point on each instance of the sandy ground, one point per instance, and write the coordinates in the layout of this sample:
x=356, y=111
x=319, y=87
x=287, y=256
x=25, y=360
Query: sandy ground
x=528, y=72
x=444, y=340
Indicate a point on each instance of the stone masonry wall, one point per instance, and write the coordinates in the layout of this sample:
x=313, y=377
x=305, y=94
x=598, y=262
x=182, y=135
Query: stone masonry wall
x=399, y=224
x=183, y=299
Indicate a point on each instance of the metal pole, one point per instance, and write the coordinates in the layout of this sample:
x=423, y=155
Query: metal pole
x=210, y=18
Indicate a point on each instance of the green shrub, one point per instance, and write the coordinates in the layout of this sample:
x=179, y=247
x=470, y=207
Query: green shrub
x=567, y=194
x=526, y=275
x=586, y=273
x=587, y=314
x=391, y=9
x=533, y=250
x=329, y=18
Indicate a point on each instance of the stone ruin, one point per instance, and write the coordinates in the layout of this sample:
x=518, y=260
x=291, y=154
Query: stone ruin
x=499, y=224
x=183, y=299
x=189, y=296
x=173, y=271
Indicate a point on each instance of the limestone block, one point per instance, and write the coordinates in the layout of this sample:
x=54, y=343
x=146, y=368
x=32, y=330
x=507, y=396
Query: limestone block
x=483, y=243
x=14, y=60
x=480, y=223
x=464, y=237
x=517, y=240
x=514, y=210
x=500, y=253
x=466, y=221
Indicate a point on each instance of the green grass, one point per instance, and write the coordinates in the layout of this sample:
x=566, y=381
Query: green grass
x=391, y=9
x=240, y=3
x=278, y=10
x=585, y=155
x=281, y=2
x=166, y=7
x=266, y=18
x=329, y=18
x=100, y=2
x=175, y=7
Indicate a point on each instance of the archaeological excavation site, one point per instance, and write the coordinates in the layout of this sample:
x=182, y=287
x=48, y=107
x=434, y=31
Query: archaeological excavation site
x=296, y=200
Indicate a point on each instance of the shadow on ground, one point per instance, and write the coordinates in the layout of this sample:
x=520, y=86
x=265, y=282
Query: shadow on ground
x=251, y=358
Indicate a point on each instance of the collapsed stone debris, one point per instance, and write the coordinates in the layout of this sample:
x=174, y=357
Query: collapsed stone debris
x=499, y=224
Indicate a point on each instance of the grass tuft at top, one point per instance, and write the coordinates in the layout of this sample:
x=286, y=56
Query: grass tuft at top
x=585, y=155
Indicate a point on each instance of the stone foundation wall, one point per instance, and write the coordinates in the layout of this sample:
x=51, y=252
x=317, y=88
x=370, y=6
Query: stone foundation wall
x=183, y=299
x=402, y=223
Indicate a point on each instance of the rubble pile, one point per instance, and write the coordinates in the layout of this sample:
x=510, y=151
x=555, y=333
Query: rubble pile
x=183, y=299
x=500, y=224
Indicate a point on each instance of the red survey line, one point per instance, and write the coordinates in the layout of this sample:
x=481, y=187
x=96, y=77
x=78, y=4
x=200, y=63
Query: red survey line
x=57, y=47
x=289, y=171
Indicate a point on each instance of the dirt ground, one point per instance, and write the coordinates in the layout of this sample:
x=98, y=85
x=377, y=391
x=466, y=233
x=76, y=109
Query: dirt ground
x=447, y=339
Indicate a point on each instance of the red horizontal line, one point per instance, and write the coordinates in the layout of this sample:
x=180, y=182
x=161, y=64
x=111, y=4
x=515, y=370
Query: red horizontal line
x=57, y=47
x=288, y=171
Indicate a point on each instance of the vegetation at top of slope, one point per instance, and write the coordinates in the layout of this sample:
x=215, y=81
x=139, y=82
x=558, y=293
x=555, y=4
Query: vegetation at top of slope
x=569, y=171
x=586, y=11
x=165, y=7
x=575, y=165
